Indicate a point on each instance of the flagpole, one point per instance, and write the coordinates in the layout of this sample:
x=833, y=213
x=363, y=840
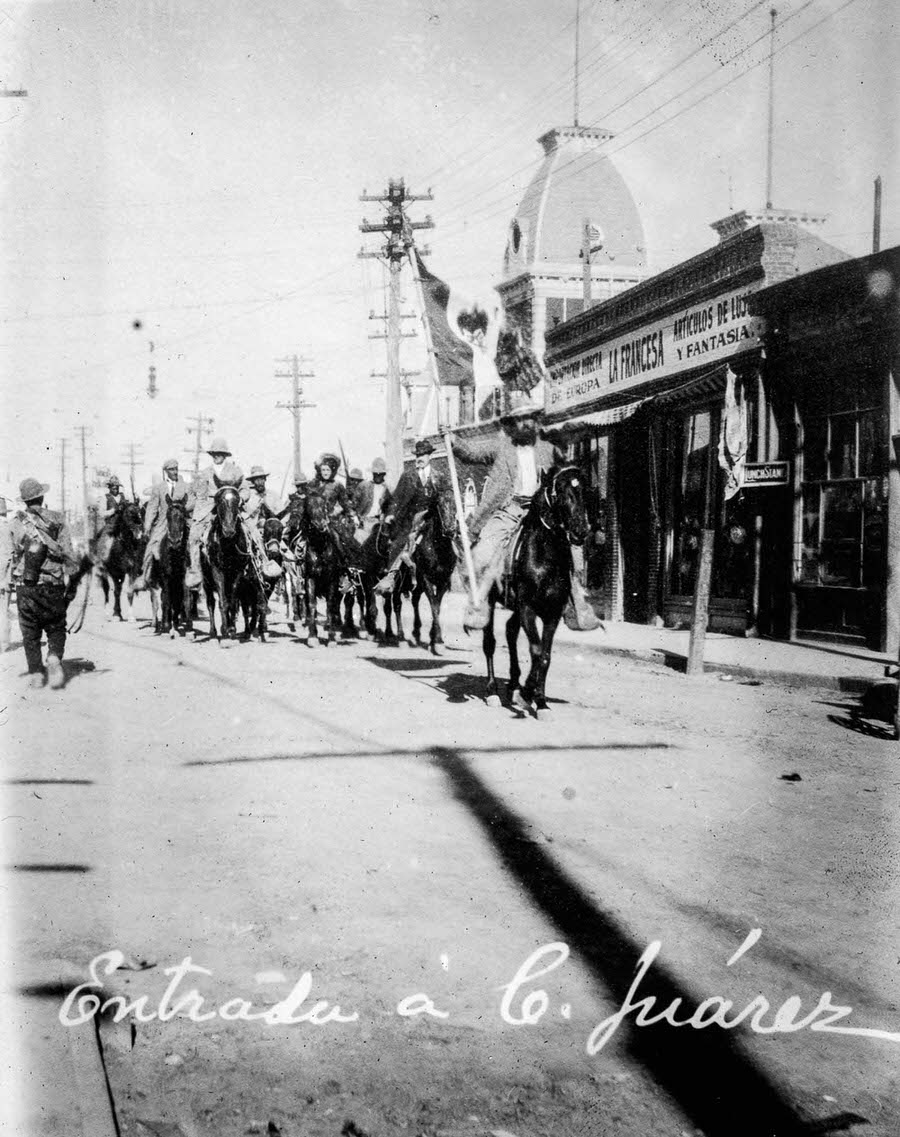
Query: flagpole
x=445, y=433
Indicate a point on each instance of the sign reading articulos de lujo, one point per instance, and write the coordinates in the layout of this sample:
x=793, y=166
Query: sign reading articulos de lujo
x=705, y=333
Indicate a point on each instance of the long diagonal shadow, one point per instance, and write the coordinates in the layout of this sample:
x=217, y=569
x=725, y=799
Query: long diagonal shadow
x=705, y=1071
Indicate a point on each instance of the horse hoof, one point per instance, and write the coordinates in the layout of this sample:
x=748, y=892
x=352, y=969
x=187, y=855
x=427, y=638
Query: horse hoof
x=222, y=643
x=171, y=633
x=493, y=701
x=312, y=641
x=543, y=713
x=518, y=700
x=292, y=627
x=363, y=635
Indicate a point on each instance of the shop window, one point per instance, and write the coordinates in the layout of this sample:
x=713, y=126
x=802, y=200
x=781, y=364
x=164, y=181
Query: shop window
x=844, y=506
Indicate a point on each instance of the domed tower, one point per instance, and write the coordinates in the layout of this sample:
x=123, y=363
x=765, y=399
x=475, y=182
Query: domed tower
x=542, y=266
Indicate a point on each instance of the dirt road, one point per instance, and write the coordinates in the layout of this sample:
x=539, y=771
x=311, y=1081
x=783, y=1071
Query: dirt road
x=356, y=813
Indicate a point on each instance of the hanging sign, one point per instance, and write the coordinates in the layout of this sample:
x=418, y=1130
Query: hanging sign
x=766, y=474
x=691, y=337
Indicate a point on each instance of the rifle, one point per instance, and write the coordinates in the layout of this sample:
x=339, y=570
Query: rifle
x=344, y=459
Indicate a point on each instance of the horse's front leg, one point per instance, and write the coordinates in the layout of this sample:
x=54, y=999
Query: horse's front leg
x=348, y=628
x=262, y=611
x=417, y=619
x=542, y=710
x=332, y=611
x=488, y=646
x=118, y=581
x=312, y=631
x=388, y=607
x=397, y=602
x=513, y=626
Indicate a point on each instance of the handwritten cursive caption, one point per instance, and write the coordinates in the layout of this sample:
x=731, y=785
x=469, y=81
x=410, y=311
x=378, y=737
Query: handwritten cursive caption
x=523, y=1002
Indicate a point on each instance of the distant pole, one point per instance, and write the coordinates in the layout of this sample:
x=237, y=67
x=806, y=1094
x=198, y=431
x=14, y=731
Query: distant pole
x=82, y=431
x=202, y=425
x=876, y=218
x=63, y=442
x=577, y=54
x=772, y=14
x=132, y=460
x=297, y=404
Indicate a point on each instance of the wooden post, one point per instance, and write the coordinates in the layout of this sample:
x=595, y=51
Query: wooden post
x=700, y=616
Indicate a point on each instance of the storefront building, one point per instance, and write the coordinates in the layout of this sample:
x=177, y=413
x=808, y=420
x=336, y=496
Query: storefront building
x=832, y=354
x=661, y=396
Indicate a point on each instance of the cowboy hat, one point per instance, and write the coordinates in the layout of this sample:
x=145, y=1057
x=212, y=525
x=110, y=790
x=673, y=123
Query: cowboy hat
x=355, y=474
x=301, y=479
x=31, y=488
x=423, y=446
x=257, y=472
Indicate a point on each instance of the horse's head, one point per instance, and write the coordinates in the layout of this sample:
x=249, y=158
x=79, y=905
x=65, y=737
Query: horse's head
x=228, y=509
x=317, y=513
x=272, y=531
x=175, y=521
x=445, y=512
x=131, y=520
x=563, y=491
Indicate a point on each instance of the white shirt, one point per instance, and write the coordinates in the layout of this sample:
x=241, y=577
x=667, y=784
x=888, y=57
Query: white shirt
x=377, y=499
x=425, y=475
x=528, y=476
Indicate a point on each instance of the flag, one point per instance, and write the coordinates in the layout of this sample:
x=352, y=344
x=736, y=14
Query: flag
x=733, y=435
x=452, y=351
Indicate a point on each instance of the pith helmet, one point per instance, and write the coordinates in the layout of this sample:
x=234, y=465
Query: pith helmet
x=356, y=474
x=112, y=480
x=379, y=466
x=301, y=479
x=219, y=446
x=31, y=488
x=257, y=472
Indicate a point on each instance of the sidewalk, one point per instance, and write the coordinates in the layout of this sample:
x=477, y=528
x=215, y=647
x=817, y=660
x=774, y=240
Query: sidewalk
x=838, y=667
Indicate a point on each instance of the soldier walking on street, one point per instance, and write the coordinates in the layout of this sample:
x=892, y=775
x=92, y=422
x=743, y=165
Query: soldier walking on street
x=5, y=570
x=42, y=556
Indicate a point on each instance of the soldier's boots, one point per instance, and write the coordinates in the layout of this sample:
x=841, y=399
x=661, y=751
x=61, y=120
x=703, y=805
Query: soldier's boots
x=55, y=673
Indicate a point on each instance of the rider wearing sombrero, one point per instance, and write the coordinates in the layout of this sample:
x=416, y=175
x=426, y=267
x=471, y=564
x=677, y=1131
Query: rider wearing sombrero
x=201, y=502
x=518, y=459
x=255, y=511
x=344, y=520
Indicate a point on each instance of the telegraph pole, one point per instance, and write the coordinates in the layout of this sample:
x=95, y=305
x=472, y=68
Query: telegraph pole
x=398, y=232
x=297, y=404
x=88, y=527
x=132, y=460
x=63, y=443
x=201, y=425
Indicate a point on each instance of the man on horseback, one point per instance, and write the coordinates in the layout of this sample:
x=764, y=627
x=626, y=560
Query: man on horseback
x=201, y=503
x=156, y=518
x=113, y=502
x=255, y=511
x=294, y=509
x=518, y=459
x=414, y=495
x=374, y=499
x=42, y=557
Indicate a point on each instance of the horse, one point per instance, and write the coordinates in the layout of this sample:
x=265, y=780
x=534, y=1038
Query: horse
x=168, y=571
x=434, y=559
x=375, y=551
x=255, y=590
x=225, y=561
x=538, y=584
x=324, y=566
x=122, y=555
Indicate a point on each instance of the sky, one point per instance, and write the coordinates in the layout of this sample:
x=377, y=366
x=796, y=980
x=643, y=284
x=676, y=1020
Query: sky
x=180, y=187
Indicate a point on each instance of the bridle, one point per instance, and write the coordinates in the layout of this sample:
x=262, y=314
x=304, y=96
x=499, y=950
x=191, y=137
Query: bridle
x=550, y=495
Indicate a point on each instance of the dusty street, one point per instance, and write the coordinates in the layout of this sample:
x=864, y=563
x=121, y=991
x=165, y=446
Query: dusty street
x=359, y=814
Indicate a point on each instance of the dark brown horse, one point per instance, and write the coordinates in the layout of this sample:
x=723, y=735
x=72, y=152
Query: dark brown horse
x=538, y=584
x=434, y=559
x=168, y=572
x=325, y=565
x=225, y=561
x=254, y=590
x=120, y=555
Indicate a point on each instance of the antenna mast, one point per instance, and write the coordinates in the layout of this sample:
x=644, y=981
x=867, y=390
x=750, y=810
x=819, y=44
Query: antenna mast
x=772, y=14
x=577, y=52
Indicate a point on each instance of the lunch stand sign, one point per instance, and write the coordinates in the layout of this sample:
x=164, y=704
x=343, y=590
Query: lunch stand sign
x=765, y=474
x=692, y=337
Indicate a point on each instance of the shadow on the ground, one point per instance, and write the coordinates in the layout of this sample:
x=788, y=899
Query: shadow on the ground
x=706, y=1072
x=419, y=752
x=863, y=726
x=409, y=663
x=50, y=867
x=48, y=782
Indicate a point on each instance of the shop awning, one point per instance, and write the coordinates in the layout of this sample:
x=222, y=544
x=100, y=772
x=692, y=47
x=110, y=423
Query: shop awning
x=605, y=417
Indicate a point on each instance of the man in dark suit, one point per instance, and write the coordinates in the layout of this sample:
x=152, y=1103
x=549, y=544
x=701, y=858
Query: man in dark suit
x=518, y=459
x=409, y=505
x=156, y=518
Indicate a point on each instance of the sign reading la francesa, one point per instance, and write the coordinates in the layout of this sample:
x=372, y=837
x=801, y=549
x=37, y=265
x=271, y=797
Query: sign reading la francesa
x=689, y=338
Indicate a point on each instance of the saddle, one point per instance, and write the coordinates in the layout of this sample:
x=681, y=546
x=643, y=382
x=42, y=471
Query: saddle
x=509, y=560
